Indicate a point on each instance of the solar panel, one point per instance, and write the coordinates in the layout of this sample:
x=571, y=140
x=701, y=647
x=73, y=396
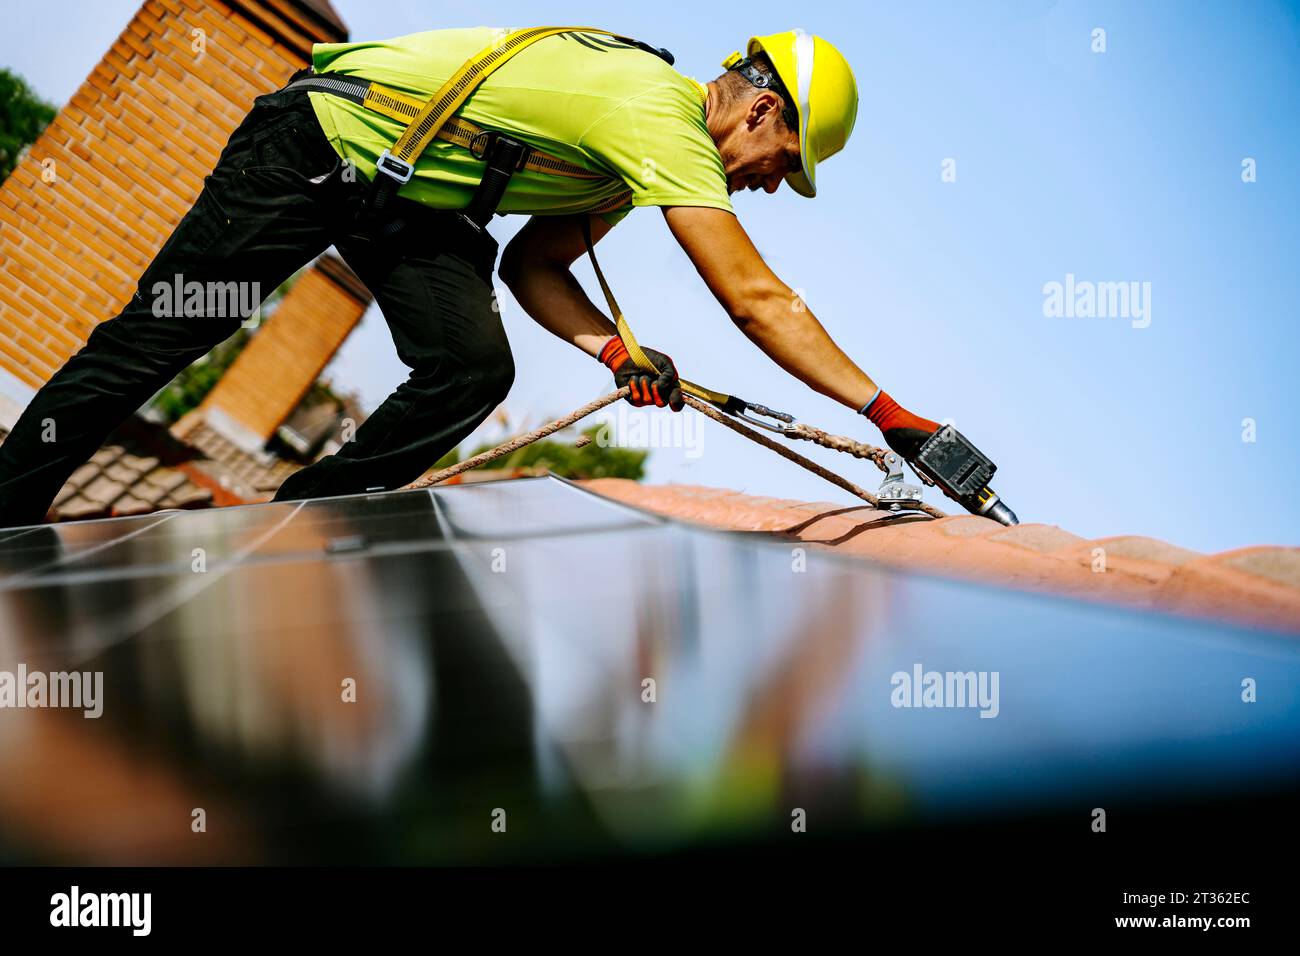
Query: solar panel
x=367, y=679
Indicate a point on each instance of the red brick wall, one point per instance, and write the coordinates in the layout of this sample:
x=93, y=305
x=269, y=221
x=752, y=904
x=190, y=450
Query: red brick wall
x=129, y=152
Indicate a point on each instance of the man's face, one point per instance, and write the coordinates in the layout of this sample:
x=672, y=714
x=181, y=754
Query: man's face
x=759, y=150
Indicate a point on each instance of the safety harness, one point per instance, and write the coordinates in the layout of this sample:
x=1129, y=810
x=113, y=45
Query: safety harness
x=503, y=156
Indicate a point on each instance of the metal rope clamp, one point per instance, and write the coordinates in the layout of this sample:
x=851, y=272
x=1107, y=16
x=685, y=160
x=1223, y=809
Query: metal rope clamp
x=739, y=408
x=896, y=495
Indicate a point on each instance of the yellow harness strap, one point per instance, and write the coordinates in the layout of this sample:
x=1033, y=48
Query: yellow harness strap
x=634, y=350
x=399, y=106
x=434, y=113
x=432, y=118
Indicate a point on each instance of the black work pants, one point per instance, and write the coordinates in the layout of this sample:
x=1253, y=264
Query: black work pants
x=277, y=198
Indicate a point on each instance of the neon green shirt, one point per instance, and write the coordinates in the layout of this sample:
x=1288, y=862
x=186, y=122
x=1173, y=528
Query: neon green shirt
x=585, y=98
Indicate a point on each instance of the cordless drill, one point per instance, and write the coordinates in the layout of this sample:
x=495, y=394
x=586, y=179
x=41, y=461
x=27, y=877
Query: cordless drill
x=961, y=471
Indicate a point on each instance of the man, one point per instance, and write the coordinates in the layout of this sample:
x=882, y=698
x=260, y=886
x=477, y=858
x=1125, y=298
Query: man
x=617, y=122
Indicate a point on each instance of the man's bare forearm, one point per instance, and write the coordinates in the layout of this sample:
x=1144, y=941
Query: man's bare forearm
x=551, y=295
x=535, y=266
x=780, y=324
x=764, y=307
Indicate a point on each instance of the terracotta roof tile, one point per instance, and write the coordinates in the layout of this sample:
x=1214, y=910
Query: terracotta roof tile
x=239, y=475
x=130, y=505
x=1042, y=538
x=971, y=527
x=1256, y=586
x=65, y=493
x=125, y=478
x=83, y=475
x=77, y=508
x=106, y=455
x=138, y=464
x=1280, y=565
x=190, y=496
x=147, y=491
x=165, y=478
x=1145, y=549
x=269, y=483
x=121, y=473
x=104, y=490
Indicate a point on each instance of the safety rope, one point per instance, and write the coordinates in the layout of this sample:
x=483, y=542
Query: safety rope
x=807, y=463
x=520, y=441
x=838, y=442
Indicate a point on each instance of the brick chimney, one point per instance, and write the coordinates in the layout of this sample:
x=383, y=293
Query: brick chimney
x=285, y=356
x=105, y=184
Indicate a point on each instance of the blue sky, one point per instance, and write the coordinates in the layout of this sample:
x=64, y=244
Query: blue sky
x=1122, y=166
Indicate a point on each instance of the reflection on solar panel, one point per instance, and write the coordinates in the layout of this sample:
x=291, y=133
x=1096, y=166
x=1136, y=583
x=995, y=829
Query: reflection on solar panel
x=396, y=677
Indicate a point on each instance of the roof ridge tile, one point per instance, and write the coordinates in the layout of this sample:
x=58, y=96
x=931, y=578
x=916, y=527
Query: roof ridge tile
x=1257, y=586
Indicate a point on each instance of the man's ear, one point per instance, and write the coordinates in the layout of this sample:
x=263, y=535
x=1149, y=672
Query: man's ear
x=763, y=108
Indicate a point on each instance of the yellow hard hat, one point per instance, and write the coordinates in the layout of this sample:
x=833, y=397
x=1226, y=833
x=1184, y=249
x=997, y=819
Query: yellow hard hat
x=819, y=85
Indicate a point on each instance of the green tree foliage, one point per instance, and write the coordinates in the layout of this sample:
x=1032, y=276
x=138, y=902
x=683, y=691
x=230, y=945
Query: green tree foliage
x=23, y=115
x=446, y=461
x=192, y=385
x=593, y=460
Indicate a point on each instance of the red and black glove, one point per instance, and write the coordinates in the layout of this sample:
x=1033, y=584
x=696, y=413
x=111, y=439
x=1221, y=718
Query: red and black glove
x=647, y=387
x=904, y=432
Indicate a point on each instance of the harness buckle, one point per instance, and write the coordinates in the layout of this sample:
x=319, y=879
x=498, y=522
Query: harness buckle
x=482, y=143
x=485, y=144
x=394, y=168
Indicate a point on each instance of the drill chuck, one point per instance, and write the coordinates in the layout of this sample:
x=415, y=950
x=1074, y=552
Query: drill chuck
x=1000, y=513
